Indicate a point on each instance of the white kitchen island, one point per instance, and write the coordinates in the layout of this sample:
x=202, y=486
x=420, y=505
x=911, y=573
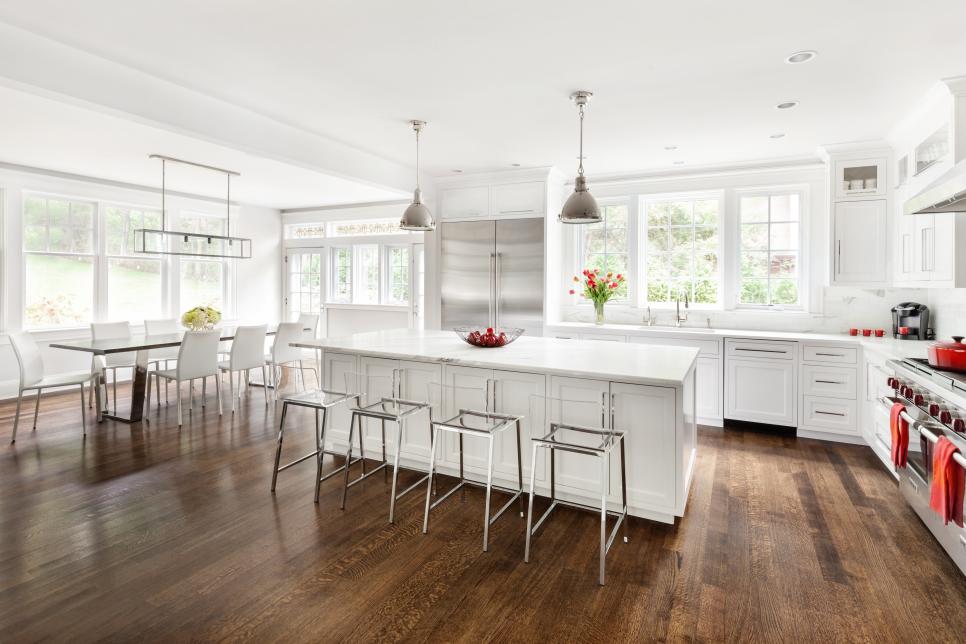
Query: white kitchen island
x=647, y=391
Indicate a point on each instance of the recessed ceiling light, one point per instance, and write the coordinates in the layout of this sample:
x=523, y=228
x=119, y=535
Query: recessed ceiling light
x=670, y=147
x=787, y=105
x=777, y=136
x=801, y=57
x=456, y=170
x=679, y=163
x=515, y=165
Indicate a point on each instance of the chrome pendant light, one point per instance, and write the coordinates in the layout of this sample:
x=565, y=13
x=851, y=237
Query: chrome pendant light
x=417, y=215
x=580, y=207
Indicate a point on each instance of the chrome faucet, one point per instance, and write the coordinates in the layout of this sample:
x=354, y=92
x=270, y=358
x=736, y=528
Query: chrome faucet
x=677, y=317
x=648, y=318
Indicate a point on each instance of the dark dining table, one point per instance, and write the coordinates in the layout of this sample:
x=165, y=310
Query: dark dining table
x=141, y=345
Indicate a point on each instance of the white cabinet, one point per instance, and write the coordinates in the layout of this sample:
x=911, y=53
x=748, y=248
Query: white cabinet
x=834, y=414
x=926, y=248
x=859, y=178
x=830, y=387
x=831, y=382
x=525, y=199
x=761, y=382
x=335, y=366
x=860, y=242
x=708, y=387
x=472, y=202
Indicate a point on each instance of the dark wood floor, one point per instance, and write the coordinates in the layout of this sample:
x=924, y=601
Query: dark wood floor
x=151, y=533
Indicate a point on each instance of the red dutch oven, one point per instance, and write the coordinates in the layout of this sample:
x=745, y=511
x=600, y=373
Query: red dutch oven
x=950, y=356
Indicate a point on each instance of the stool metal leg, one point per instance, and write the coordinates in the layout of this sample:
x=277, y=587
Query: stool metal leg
x=489, y=484
x=320, y=448
x=278, y=449
x=385, y=472
x=395, y=470
x=533, y=479
x=604, y=472
x=624, y=492
x=520, y=466
x=429, y=483
x=348, y=459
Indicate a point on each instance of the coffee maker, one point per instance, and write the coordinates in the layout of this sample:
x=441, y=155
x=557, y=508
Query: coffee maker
x=910, y=321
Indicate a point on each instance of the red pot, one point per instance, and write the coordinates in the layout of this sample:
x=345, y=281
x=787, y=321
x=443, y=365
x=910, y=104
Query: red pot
x=950, y=356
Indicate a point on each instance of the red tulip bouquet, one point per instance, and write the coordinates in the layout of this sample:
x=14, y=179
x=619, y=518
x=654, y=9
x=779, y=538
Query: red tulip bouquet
x=598, y=288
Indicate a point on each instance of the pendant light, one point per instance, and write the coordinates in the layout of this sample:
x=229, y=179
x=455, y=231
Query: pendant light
x=417, y=215
x=580, y=207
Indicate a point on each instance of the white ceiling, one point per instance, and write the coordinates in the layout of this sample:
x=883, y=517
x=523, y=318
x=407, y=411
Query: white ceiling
x=492, y=78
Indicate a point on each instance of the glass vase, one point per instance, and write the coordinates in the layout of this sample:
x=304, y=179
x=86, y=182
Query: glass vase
x=599, y=313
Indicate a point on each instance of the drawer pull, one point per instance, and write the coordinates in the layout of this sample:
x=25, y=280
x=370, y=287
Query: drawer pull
x=834, y=355
x=830, y=382
x=761, y=350
x=829, y=413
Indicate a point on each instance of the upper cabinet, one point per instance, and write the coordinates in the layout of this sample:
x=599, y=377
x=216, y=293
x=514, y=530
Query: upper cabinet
x=503, y=195
x=859, y=208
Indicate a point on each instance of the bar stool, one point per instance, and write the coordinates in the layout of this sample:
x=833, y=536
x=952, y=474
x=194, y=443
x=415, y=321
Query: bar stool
x=392, y=408
x=470, y=421
x=586, y=440
x=321, y=401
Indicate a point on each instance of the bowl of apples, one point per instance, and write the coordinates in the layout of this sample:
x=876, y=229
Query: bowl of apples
x=488, y=337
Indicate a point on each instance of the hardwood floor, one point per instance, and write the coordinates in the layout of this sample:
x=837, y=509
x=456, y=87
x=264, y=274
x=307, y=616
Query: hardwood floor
x=151, y=533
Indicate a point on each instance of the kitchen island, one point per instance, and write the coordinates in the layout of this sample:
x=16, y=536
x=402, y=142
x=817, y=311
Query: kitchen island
x=646, y=391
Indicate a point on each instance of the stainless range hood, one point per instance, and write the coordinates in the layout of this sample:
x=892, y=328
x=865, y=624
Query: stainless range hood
x=945, y=194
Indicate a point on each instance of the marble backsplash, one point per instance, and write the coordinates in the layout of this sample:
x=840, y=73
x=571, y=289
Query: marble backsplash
x=947, y=306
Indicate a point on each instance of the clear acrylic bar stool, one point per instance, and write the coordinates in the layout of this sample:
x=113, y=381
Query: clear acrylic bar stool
x=583, y=439
x=380, y=398
x=473, y=418
x=321, y=401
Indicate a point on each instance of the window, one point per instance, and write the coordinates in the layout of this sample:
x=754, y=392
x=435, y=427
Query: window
x=135, y=288
x=604, y=245
x=397, y=275
x=304, y=282
x=769, y=228
x=341, y=274
x=203, y=281
x=682, y=250
x=367, y=282
x=59, y=262
x=304, y=231
x=364, y=227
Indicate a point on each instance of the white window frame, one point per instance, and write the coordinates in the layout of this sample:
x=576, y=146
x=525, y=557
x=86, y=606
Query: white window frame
x=359, y=277
x=228, y=282
x=803, y=224
x=334, y=274
x=387, y=274
x=704, y=195
x=633, y=253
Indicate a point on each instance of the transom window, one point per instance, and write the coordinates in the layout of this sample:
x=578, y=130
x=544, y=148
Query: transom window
x=682, y=250
x=770, y=249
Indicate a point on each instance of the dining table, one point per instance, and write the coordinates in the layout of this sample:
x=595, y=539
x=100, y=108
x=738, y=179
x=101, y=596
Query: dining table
x=141, y=345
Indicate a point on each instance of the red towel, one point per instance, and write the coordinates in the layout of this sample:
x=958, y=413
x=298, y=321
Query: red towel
x=900, y=435
x=948, y=482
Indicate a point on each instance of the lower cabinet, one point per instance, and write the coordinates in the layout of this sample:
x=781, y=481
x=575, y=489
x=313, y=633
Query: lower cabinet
x=709, y=389
x=761, y=390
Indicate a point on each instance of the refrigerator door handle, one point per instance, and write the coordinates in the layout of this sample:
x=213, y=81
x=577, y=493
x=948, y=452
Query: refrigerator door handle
x=497, y=276
x=490, y=319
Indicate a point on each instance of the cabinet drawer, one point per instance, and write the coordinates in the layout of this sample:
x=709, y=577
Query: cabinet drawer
x=706, y=347
x=819, y=353
x=770, y=349
x=833, y=414
x=512, y=199
x=465, y=203
x=831, y=382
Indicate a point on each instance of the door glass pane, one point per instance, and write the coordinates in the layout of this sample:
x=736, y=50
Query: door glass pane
x=59, y=290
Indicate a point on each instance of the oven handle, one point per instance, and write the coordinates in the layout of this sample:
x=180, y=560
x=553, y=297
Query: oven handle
x=922, y=429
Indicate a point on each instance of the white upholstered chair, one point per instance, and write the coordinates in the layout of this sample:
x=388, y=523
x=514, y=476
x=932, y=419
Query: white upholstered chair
x=166, y=355
x=197, y=359
x=32, y=376
x=247, y=353
x=113, y=361
x=284, y=355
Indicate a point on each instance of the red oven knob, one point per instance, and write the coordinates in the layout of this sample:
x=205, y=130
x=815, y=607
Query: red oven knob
x=934, y=409
x=959, y=425
x=907, y=392
x=945, y=417
x=893, y=382
x=918, y=399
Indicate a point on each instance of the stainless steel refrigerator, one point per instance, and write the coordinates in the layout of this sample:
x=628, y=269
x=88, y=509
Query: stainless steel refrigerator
x=492, y=274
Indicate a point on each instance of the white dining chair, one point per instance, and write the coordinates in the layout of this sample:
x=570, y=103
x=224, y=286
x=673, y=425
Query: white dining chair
x=167, y=355
x=284, y=355
x=247, y=353
x=197, y=359
x=113, y=361
x=32, y=376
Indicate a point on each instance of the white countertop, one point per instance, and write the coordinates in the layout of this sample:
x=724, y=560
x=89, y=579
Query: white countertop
x=634, y=363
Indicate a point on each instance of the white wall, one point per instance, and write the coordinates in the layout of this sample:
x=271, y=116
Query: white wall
x=257, y=295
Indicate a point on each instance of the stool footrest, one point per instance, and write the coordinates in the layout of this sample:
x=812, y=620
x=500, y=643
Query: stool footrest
x=466, y=482
x=340, y=468
x=580, y=506
x=297, y=461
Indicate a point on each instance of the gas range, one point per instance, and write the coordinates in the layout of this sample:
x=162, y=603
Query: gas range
x=938, y=396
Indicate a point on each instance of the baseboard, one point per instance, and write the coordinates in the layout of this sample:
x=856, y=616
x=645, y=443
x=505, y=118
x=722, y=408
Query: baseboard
x=711, y=422
x=852, y=439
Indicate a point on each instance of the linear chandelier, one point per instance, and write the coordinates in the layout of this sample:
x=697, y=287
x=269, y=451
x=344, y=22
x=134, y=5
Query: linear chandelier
x=162, y=241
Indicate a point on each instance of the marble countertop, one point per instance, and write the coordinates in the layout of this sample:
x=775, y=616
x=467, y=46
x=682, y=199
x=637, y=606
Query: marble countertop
x=633, y=363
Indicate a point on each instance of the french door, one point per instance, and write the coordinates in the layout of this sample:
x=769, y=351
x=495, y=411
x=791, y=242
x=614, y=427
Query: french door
x=304, y=277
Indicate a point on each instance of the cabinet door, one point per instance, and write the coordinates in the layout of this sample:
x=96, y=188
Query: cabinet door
x=905, y=265
x=576, y=401
x=924, y=239
x=520, y=394
x=708, y=387
x=871, y=173
x=376, y=378
x=526, y=199
x=942, y=250
x=334, y=368
x=466, y=388
x=762, y=391
x=861, y=242
x=647, y=416
x=464, y=203
x=415, y=381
